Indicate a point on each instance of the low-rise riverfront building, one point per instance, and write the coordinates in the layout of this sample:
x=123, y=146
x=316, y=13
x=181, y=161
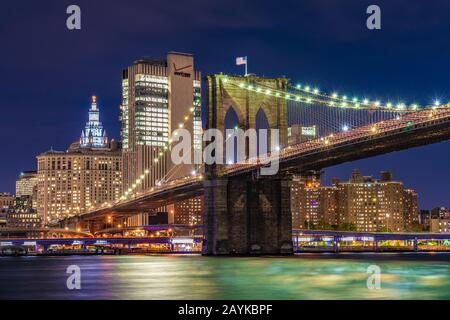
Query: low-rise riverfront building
x=440, y=225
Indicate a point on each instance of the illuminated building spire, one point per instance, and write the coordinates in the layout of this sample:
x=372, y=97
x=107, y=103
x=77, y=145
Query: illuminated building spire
x=93, y=135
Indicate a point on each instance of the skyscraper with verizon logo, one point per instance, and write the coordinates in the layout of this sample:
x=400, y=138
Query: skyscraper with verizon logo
x=158, y=97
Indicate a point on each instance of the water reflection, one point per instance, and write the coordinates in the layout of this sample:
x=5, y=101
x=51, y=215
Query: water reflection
x=196, y=277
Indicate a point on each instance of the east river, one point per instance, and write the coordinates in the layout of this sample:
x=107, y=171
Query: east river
x=305, y=276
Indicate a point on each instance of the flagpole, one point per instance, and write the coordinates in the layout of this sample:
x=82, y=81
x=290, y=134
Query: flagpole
x=246, y=64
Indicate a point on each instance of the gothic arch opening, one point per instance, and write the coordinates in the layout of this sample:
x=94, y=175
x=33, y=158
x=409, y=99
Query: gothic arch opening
x=231, y=121
x=262, y=123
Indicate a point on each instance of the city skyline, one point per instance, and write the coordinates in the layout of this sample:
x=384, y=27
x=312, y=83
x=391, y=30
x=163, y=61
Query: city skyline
x=213, y=151
x=326, y=178
x=54, y=106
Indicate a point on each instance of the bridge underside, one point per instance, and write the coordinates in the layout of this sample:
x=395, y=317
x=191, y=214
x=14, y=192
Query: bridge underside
x=94, y=221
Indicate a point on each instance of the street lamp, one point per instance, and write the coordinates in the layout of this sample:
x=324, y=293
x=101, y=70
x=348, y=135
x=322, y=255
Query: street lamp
x=109, y=221
x=387, y=222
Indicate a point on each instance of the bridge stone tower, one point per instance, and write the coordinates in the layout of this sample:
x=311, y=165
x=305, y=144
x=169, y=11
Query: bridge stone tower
x=246, y=214
x=225, y=92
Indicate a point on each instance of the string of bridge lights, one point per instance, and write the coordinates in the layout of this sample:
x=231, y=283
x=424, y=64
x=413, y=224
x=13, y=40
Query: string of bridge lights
x=314, y=95
x=356, y=102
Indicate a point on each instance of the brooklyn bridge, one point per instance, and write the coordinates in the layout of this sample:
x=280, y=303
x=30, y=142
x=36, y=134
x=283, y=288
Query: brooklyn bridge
x=247, y=212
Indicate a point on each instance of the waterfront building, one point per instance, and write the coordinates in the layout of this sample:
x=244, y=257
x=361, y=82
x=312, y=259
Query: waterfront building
x=424, y=218
x=410, y=208
x=440, y=212
x=305, y=198
x=6, y=201
x=22, y=214
x=24, y=220
x=361, y=204
x=23, y=204
x=87, y=175
x=440, y=225
x=3, y=219
x=371, y=205
x=328, y=205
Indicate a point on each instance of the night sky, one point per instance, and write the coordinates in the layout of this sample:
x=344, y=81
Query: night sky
x=48, y=73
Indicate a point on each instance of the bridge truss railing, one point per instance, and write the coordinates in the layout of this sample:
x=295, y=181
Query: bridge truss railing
x=409, y=121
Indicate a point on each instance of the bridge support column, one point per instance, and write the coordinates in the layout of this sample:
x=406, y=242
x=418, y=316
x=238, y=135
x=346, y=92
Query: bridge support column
x=248, y=216
x=270, y=217
x=215, y=220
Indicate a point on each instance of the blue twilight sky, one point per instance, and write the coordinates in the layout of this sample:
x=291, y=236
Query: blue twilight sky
x=48, y=73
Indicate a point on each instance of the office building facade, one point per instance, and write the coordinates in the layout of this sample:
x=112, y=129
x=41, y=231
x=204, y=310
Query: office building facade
x=26, y=183
x=157, y=96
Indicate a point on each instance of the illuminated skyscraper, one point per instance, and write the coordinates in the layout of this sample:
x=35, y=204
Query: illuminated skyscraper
x=156, y=98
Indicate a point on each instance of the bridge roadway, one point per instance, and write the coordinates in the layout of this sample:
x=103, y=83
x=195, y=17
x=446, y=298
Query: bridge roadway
x=410, y=130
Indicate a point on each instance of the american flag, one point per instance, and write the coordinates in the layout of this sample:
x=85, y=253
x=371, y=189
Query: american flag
x=241, y=61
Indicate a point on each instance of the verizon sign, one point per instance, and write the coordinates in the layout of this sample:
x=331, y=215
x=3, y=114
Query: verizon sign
x=180, y=71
